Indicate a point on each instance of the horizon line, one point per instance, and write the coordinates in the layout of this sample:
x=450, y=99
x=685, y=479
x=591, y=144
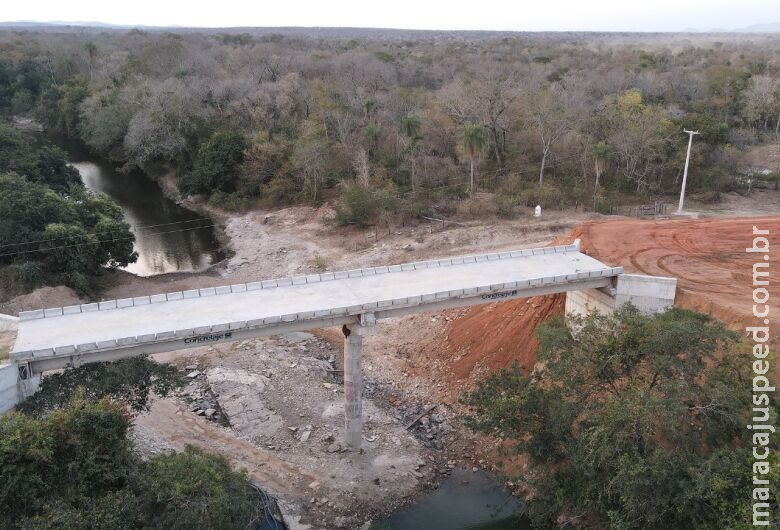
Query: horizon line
x=105, y=25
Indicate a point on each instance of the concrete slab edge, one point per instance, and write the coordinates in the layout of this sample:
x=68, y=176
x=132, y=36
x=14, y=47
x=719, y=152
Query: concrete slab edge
x=487, y=292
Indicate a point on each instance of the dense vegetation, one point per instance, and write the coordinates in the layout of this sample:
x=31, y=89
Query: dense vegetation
x=633, y=422
x=406, y=117
x=129, y=381
x=53, y=229
x=75, y=468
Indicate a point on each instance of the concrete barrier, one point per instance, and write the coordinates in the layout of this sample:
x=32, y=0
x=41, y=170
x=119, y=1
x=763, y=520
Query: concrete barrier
x=7, y=322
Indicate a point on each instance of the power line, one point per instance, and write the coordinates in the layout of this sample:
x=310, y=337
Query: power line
x=100, y=241
x=133, y=226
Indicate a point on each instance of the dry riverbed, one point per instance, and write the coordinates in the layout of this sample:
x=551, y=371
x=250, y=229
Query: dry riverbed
x=274, y=406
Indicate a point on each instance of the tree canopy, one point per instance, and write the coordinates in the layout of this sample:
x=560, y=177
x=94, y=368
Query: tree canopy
x=217, y=165
x=54, y=229
x=321, y=109
x=75, y=468
x=633, y=422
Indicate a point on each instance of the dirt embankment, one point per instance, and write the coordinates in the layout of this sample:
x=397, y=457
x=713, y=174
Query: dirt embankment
x=707, y=256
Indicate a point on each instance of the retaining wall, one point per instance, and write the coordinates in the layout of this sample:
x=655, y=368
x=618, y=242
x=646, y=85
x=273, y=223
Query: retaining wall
x=9, y=391
x=650, y=294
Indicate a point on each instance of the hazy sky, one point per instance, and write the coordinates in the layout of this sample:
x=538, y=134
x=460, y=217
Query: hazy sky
x=536, y=15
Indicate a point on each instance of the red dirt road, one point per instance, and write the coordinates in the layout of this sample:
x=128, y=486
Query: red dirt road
x=707, y=256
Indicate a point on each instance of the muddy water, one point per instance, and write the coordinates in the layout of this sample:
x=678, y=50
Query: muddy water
x=464, y=501
x=168, y=237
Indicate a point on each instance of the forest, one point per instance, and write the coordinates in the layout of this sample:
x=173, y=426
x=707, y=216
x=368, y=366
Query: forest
x=394, y=124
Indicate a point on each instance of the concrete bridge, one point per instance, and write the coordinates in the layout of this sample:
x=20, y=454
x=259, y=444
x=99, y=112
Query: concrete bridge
x=70, y=336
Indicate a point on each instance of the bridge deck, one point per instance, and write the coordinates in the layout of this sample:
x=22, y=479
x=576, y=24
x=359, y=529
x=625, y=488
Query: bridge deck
x=204, y=315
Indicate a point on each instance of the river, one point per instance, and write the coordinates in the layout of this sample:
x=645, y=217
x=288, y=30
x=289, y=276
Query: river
x=168, y=237
x=463, y=501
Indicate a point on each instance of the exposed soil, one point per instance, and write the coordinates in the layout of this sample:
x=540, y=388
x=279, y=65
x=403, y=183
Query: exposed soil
x=284, y=405
x=707, y=256
x=43, y=297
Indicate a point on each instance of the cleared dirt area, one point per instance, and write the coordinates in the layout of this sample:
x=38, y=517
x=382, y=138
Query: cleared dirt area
x=707, y=256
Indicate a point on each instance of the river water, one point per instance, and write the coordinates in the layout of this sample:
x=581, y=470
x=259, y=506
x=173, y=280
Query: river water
x=168, y=237
x=464, y=501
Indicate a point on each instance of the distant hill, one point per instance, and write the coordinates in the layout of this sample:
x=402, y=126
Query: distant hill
x=770, y=27
x=58, y=24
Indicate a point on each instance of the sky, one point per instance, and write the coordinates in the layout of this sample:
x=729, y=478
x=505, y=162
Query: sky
x=517, y=15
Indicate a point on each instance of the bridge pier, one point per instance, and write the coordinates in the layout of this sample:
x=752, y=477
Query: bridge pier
x=353, y=378
x=353, y=388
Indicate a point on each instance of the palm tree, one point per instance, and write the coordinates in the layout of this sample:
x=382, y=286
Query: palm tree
x=474, y=143
x=410, y=125
x=373, y=133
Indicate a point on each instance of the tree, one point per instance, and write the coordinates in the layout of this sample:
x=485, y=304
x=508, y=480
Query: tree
x=217, y=165
x=410, y=128
x=639, y=135
x=762, y=100
x=69, y=238
x=474, y=143
x=104, y=119
x=487, y=99
x=75, y=468
x=602, y=153
x=45, y=165
x=631, y=422
x=548, y=114
x=310, y=160
x=168, y=124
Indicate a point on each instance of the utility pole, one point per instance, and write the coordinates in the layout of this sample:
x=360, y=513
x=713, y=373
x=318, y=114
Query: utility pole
x=685, y=172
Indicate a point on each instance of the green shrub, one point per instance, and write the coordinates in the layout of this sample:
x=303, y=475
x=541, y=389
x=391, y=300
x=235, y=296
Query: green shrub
x=54, y=237
x=232, y=202
x=216, y=166
x=196, y=490
x=361, y=206
x=505, y=205
x=547, y=196
x=28, y=274
x=129, y=381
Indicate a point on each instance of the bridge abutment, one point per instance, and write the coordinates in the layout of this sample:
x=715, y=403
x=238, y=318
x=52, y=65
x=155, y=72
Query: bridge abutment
x=650, y=294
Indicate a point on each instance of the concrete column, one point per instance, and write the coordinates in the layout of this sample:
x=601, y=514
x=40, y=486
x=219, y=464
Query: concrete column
x=353, y=387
